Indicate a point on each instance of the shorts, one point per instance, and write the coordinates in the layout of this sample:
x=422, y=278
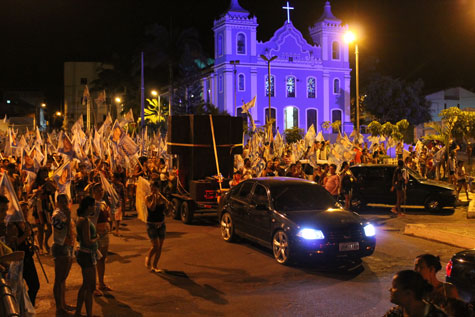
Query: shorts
x=86, y=259
x=452, y=173
x=345, y=190
x=103, y=244
x=155, y=231
x=61, y=250
x=461, y=181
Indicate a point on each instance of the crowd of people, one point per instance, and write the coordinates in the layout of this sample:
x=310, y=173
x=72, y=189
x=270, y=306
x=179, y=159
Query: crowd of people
x=328, y=164
x=102, y=179
x=46, y=207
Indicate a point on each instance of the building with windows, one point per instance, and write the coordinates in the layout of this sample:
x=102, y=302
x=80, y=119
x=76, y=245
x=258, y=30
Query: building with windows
x=309, y=84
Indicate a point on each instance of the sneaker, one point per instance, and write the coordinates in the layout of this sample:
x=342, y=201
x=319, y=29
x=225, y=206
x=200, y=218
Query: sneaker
x=156, y=270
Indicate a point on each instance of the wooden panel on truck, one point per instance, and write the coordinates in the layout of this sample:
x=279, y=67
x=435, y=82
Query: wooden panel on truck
x=190, y=137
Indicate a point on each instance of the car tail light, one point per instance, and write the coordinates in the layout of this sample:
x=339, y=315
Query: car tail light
x=448, y=269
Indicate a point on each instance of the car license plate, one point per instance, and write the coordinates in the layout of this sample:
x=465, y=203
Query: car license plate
x=349, y=246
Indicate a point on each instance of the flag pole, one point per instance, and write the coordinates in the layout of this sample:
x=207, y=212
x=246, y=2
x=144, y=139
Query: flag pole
x=142, y=122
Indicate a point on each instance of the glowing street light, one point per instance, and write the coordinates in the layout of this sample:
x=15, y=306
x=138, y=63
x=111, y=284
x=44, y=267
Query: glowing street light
x=118, y=100
x=156, y=94
x=43, y=105
x=350, y=37
x=58, y=113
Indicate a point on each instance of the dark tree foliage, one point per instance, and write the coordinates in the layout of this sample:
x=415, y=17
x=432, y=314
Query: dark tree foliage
x=389, y=99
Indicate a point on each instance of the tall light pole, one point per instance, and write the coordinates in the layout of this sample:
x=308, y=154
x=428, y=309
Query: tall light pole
x=350, y=38
x=234, y=63
x=268, y=60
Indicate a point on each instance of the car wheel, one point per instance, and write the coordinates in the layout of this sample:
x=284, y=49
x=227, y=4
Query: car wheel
x=433, y=204
x=227, y=227
x=281, y=247
x=186, y=212
x=176, y=205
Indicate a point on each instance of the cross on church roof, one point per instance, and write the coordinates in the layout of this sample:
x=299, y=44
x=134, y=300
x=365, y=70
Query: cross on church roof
x=288, y=8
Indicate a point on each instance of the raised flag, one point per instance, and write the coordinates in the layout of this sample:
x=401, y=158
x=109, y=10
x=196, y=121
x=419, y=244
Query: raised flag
x=249, y=105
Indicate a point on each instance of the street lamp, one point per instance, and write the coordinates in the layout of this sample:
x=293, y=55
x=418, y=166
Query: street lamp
x=234, y=63
x=268, y=60
x=58, y=113
x=350, y=37
x=118, y=101
x=156, y=94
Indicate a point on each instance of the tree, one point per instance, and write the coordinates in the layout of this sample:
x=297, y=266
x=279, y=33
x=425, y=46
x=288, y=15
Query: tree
x=174, y=48
x=391, y=100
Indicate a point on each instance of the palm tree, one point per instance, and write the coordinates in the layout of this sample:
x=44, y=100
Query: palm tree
x=169, y=47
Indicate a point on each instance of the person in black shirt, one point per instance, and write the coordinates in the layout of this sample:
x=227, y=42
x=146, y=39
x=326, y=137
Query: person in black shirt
x=157, y=207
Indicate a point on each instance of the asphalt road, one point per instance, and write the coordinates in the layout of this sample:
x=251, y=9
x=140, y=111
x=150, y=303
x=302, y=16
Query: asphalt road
x=205, y=276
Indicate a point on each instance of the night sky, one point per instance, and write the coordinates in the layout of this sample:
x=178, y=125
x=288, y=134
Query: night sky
x=429, y=39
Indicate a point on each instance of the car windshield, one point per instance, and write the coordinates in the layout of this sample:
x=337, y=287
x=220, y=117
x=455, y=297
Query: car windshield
x=302, y=197
x=413, y=173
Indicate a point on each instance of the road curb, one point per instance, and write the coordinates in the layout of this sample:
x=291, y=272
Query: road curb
x=471, y=210
x=436, y=232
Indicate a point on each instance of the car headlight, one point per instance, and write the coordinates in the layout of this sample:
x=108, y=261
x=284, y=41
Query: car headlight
x=310, y=234
x=369, y=230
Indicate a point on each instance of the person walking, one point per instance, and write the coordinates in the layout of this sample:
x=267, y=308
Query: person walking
x=347, y=180
x=86, y=254
x=156, y=227
x=63, y=243
x=101, y=220
x=461, y=179
x=399, y=185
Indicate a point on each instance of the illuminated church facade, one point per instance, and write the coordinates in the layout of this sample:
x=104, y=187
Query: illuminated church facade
x=310, y=82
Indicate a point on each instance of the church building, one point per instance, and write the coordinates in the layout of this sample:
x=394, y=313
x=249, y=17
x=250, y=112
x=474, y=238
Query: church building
x=310, y=82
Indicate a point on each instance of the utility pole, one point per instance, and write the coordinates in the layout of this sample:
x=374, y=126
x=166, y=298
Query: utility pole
x=234, y=63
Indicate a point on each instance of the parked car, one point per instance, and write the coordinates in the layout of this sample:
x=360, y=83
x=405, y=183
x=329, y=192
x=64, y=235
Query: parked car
x=461, y=272
x=294, y=217
x=373, y=186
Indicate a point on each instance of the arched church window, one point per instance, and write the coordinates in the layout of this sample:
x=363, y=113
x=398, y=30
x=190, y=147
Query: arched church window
x=311, y=87
x=220, y=83
x=241, y=82
x=291, y=117
x=336, y=86
x=335, y=50
x=272, y=90
x=220, y=45
x=290, y=87
x=241, y=43
x=336, y=116
x=312, y=118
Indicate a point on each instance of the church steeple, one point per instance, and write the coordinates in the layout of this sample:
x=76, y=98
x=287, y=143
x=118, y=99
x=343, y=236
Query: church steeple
x=327, y=14
x=236, y=7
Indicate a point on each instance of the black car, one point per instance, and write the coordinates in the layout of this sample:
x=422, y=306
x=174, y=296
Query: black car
x=294, y=217
x=461, y=272
x=373, y=186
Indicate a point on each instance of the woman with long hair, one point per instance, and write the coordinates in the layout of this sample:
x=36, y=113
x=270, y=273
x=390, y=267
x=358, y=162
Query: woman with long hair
x=156, y=227
x=86, y=254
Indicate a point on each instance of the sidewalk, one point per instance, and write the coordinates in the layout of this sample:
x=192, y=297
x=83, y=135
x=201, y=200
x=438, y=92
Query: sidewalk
x=460, y=234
